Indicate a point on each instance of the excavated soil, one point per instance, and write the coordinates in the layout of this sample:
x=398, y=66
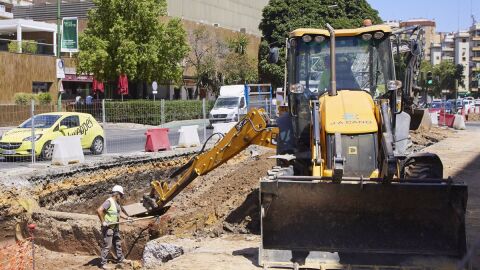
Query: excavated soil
x=421, y=139
x=225, y=201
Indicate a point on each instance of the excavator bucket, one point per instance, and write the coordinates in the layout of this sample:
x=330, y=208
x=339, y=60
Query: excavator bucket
x=301, y=218
x=420, y=120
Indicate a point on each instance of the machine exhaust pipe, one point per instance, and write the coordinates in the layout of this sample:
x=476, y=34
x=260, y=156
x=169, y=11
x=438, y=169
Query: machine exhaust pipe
x=333, y=75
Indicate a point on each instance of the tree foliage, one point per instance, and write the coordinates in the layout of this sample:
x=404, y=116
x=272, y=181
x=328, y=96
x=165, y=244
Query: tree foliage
x=238, y=66
x=445, y=76
x=124, y=36
x=205, y=58
x=283, y=16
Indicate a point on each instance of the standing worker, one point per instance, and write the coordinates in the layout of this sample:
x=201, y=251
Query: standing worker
x=111, y=212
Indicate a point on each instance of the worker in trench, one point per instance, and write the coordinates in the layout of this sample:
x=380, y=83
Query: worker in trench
x=110, y=213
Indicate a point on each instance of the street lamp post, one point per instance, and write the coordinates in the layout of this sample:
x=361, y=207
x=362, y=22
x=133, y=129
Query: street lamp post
x=59, y=44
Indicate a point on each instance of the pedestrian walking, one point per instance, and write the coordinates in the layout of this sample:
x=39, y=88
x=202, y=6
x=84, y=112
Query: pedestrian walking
x=110, y=213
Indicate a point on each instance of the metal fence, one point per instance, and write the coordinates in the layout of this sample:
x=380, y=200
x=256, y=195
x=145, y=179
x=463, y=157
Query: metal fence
x=124, y=124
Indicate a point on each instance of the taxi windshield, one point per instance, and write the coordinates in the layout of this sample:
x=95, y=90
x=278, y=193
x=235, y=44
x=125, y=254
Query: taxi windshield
x=41, y=121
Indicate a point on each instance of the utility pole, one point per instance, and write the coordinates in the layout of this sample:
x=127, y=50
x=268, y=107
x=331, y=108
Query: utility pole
x=59, y=45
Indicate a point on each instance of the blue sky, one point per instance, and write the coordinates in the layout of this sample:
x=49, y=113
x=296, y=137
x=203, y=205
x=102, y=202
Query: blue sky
x=449, y=14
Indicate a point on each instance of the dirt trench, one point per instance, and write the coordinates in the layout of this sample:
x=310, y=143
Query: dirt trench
x=224, y=201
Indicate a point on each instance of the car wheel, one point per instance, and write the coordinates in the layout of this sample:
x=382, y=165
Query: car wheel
x=97, y=146
x=47, y=151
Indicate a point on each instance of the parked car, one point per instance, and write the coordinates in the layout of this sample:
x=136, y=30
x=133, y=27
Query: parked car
x=440, y=106
x=48, y=127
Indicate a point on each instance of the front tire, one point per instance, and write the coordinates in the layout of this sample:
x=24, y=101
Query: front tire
x=97, y=146
x=426, y=166
x=47, y=151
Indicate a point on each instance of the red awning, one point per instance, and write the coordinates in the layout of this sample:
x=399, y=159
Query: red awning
x=123, y=85
x=98, y=86
x=77, y=78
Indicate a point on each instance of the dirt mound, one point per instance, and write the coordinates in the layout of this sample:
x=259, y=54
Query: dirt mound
x=422, y=139
x=224, y=200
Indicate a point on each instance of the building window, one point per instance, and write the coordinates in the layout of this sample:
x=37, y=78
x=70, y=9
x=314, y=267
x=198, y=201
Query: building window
x=464, y=59
x=41, y=87
x=464, y=40
x=438, y=58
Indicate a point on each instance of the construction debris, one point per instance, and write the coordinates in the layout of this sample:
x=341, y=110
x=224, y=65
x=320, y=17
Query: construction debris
x=156, y=253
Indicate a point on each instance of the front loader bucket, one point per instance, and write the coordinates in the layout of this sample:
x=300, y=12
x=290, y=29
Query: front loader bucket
x=354, y=217
x=420, y=120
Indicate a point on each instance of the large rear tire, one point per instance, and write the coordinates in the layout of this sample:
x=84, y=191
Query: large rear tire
x=423, y=167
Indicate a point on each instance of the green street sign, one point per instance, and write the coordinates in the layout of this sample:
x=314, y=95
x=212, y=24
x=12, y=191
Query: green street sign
x=69, y=34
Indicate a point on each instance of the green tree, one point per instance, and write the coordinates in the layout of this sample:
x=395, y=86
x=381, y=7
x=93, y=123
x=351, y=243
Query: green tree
x=124, y=36
x=238, y=67
x=283, y=16
x=445, y=76
x=205, y=59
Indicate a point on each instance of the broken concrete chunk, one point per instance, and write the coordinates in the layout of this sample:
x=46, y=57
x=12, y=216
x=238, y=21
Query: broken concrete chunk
x=156, y=253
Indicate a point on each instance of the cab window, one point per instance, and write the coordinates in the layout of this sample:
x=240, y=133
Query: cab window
x=70, y=121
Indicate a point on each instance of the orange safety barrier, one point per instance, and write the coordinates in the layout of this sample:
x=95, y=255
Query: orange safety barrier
x=17, y=256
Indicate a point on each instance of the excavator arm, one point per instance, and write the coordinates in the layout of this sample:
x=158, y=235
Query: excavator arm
x=251, y=129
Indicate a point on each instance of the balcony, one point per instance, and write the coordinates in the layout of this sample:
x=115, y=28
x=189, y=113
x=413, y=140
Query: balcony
x=476, y=49
x=4, y=14
x=476, y=38
x=27, y=36
x=27, y=46
x=447, y=49
x=476, y=59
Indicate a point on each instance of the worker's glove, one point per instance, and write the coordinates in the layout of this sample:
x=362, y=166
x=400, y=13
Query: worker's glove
x=105, y=224
x=130, y=220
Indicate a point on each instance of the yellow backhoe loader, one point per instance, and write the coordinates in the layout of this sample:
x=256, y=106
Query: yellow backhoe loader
x=345, y=185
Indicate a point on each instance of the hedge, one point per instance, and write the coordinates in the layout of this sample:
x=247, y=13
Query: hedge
x=146, y=112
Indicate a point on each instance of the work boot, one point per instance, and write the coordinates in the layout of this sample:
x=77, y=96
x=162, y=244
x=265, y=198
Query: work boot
x=125, y=261
x=106, y=267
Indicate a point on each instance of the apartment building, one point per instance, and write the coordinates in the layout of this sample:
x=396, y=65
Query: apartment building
x=462, y=57
x=475, y=57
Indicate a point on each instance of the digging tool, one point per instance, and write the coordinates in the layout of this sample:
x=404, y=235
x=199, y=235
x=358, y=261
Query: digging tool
x=133, y=220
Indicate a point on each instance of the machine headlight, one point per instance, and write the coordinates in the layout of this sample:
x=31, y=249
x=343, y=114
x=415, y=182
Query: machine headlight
x=319, y=39
x=307, y=38
x=367, y=36
x=394, y=85
x=378, y=35
x=297, y=88
x=29, y=138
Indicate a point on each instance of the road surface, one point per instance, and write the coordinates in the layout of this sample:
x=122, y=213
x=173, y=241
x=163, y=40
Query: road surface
x=120, y=140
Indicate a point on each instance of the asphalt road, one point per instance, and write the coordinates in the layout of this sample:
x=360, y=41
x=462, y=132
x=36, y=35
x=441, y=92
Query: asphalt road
x=119, y=141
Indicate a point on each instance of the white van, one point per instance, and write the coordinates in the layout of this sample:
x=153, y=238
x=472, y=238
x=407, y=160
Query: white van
x=230, y=105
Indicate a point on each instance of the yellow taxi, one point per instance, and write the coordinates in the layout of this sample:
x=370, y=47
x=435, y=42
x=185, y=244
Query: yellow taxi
x=49, y=126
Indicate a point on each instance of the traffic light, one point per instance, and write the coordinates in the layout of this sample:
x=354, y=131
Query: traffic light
x=429, y=78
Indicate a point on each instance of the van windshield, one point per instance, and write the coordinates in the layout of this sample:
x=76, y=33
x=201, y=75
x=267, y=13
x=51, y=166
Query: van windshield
x=227, y=102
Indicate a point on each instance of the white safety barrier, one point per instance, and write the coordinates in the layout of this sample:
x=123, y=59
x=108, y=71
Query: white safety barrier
x=67, y=150
x=477, y=109
x=459, y=122
x=434, y=118
x=188, y=136
x=222, y=128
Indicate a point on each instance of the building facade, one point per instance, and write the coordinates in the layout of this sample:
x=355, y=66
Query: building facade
x=224, y=19
x=475, y=58
x=462, y=57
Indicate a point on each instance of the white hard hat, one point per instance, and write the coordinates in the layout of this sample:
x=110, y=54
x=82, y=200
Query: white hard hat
x=118, y=188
